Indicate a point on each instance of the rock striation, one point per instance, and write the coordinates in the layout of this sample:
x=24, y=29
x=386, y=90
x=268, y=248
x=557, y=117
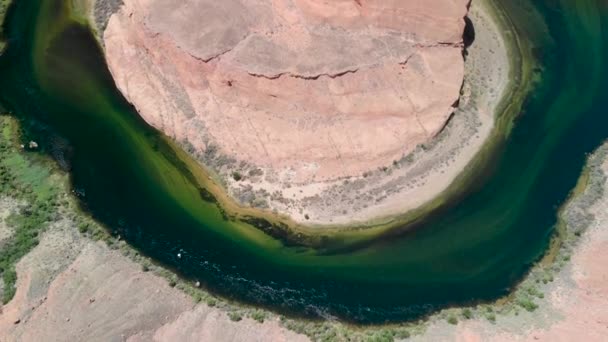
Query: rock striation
x=303, y=91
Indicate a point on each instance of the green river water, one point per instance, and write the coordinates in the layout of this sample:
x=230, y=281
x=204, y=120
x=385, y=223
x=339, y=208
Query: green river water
x=476, y=247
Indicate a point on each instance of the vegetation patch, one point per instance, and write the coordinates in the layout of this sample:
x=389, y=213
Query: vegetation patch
x=4, y=5
x=30, y=180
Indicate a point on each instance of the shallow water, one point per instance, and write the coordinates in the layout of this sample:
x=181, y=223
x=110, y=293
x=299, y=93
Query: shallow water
x=54, y=78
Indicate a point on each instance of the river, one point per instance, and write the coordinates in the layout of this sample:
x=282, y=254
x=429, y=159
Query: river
x=54, y=78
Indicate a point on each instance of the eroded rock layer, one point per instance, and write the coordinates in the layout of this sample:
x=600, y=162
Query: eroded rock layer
x=312, y=89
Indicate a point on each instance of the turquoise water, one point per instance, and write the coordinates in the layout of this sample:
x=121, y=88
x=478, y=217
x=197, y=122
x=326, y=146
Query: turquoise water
x=474, y=248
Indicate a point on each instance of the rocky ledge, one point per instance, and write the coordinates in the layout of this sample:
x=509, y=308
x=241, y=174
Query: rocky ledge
x=291, y=91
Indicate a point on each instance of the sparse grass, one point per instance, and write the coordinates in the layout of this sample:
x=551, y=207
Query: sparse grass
x=336, y=331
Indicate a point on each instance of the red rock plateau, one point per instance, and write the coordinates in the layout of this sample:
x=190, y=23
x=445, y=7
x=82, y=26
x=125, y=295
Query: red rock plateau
x=307, y=90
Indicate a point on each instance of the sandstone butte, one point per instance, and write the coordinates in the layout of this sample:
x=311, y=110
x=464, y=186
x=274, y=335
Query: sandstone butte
x=307, y=91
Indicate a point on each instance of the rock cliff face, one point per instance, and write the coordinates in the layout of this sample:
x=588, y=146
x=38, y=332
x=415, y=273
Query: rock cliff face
x=305, y=90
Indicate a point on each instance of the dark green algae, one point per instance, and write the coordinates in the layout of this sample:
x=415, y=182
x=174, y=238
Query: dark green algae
x=475, y=247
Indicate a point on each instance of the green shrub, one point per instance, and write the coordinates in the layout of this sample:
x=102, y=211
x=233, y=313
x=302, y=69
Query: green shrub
x=83, y=228
x=384, y=335
x=491, y=317
x=258, y=315
x=402, y=334
x=235, y=316
x=527, y=304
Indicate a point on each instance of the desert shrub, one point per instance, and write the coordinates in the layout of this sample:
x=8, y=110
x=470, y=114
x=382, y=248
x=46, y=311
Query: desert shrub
x=235, y=316
x=383, y=335
x=402, y=334
x=237, y=176
x=467, y=313
x=527, y=304
x=83, y=227
x=256, y=172
x=212, y=302
x=258, y=315
x=491, y=317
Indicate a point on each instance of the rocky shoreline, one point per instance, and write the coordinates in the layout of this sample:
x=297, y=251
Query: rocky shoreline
x=69, y=283
x=387, y=189
x=565, y=294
